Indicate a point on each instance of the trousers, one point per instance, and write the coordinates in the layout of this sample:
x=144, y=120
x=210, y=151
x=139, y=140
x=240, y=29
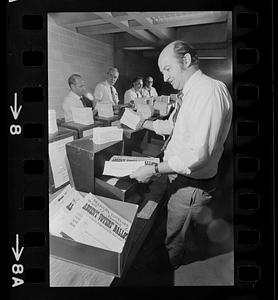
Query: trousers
x=187, y=196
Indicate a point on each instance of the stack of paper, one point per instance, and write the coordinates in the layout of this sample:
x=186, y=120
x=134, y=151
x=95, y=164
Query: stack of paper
x=130, y=118
x=121, y=165
x=52, y=123
x=89, y=221
x=162, y=107
x=121, y=169
x=174, y=97
x=145, y=110
x=165, y=99
x=142, y=100
x=82, y=115
x=105, y=110
x=103, y=135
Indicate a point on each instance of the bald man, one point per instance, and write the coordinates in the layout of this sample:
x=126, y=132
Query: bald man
x=197, y=129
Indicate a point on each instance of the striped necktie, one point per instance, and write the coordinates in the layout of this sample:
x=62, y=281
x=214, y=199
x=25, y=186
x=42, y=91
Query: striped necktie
x=174, y=119
x=113, y=95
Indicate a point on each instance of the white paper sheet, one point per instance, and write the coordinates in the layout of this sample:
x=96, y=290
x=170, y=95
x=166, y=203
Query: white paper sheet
x=107, y=134
x=121, y=169
x=145, y=110
x=105, y=110
x=87, y=132
x=57, y=156
x=130, y=118
x=82, y=115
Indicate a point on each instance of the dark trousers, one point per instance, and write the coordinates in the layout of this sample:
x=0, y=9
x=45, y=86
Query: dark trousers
x=187, y=198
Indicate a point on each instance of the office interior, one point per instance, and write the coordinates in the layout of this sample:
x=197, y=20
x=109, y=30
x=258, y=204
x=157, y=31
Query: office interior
x=88, y=43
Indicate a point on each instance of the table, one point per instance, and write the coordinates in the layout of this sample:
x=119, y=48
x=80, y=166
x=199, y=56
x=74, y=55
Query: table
x=63, y=273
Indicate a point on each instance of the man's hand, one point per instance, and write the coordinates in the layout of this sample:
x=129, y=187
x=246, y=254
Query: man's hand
x=143, y=174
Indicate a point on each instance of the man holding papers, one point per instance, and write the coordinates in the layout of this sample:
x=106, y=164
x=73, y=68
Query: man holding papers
x=74, y=98
x=197, y=130
x=105, y=91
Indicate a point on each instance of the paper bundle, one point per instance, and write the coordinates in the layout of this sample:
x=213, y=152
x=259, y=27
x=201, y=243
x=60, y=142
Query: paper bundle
x=103, y=135
x=165, y=99
x=145, y=110
x=87, y=220
x=130, y=118
x=105, y=110
x=82, y=115
x=162, y=107
x=52, y=124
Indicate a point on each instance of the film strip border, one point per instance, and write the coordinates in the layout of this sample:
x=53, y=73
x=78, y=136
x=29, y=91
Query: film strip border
x=27, y=147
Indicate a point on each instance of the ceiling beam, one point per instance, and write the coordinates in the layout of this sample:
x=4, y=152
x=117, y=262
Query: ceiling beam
x=123, y=25
x=162, y=33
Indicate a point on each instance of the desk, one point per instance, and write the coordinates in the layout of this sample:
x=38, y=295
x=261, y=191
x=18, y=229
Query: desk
x=64, y=273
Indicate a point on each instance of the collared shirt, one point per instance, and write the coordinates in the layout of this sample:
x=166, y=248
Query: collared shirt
x=103, y=92
x=201, y=128
x=71, y=100
x=146, y=92
x=131, y=94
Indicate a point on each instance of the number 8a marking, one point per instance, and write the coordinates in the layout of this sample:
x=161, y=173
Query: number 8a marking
x=15, y=129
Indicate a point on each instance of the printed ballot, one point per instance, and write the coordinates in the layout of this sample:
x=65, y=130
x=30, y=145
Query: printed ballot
x=124, y=158
x=88, y=220
x=107, y=134
x=121, y=169
x=82, y=115
x=105, y=110
x=145, y=110
x=130, y=118
x=120, y=166
x=57, y=160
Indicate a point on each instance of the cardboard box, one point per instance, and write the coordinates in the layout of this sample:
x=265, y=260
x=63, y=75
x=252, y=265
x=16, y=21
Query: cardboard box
x=93, y=257
x=106, y=121
x=122, y=190
x=87, y=159
x=82, y=130
x=63, y=135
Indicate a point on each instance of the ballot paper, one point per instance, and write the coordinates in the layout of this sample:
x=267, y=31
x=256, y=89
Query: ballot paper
x=60, y=208
x=107, y=134
x=93, y=223
x=124, y=158
x=165, y=99
x=82, y=115
x=130, y=118
x=162, y=107
x=145, y=110
x=57, y=160
x=121, y=169
x=105, y=110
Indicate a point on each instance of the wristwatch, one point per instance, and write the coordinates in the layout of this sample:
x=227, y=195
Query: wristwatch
x=156, y=170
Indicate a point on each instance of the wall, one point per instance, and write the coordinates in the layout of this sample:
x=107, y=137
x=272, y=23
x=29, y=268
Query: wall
x=68, y=53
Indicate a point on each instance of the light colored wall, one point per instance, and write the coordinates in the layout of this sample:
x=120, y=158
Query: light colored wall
x=68, y=53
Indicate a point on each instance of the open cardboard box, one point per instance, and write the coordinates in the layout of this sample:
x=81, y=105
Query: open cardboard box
x=86, y=161
x=93, y=257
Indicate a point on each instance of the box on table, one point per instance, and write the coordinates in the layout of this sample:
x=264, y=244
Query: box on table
x=87, y=160
x=59, y=174
x=106, y=121
x=82, y=130
x=104, y=260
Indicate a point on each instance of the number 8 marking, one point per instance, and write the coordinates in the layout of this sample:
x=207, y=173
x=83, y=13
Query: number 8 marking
x=15, y=129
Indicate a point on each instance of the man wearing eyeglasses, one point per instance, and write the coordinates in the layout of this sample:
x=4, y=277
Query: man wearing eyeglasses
x=105, y=91
x=148, y=90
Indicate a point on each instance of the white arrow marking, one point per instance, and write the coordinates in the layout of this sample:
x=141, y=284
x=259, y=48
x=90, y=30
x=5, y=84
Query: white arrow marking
x=14, y=110
x=16, y=253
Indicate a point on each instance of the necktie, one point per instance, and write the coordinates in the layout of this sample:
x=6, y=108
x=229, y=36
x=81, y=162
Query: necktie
x=113, y=95
x=83, y=101
x=178, y=106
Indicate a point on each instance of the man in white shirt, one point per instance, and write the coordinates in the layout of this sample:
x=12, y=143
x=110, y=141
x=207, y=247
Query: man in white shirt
x=148, y=90
x=74, y=98
x=105, y=91
x=197, y=130
x=135, y=91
